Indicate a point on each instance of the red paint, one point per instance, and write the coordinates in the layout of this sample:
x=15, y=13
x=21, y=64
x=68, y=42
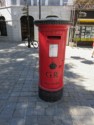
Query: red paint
x=51, y=79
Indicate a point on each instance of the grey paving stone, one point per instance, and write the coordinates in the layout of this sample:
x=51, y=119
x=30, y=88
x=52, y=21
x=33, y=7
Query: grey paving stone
x=32, y=120
x=7, y=112
x=57, y=121
x=22, y=99
x=4, y=122
x=83, y=120
x=19, y=113
x=12, y=99
x=42, y=104
x=17, y=121
x=32, y=99
x=31, y=103
x=4, y=96
x=22, y=105
x=50, y=111
x=26, y=94
x=47, y=120
x=17, y=89
x=13, y=94
x=31, y=112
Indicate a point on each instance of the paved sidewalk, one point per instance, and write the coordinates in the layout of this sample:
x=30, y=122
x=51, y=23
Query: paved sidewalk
x=19, y=101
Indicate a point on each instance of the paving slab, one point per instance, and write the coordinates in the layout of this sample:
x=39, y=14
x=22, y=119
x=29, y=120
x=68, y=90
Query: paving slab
x=19, y=76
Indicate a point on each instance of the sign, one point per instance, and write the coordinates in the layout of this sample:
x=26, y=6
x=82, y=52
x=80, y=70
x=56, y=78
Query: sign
x=53, y=50
x=51, y=74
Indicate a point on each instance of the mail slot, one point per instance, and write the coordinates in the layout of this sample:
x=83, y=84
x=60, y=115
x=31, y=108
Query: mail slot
x=54, y=37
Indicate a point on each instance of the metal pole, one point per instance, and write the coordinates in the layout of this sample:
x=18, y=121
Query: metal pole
x=28, y=27
x=39, y=9
x=73, y=20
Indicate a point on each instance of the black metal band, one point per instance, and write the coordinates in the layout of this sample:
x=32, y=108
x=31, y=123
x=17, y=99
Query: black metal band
x=50, y=96
x=38, y=22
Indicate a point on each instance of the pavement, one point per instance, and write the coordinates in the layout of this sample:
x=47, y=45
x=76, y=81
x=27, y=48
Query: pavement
x=19, y=100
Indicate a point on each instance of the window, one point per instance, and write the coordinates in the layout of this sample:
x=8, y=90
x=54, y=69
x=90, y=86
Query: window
x=54, y=3
x=35, y=3
x=13, y=2
x=3, y=31
x=43, y=2
x=23, y=2
x=85, y=32
x=65, y=2
x=29, y=2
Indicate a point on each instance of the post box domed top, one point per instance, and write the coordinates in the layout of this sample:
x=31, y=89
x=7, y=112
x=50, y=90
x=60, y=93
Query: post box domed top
x=51, y=20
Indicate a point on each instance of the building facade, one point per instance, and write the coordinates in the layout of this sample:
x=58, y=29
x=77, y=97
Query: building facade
x=84, y=31
x=13, y=17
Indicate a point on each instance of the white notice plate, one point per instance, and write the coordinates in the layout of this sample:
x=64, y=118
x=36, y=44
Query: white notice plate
x=53, y=50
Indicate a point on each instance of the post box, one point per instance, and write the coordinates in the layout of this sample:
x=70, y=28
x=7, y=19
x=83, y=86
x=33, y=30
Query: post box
x=52, y=43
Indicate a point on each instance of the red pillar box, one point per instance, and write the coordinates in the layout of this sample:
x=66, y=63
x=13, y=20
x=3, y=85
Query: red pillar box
x=52, y=43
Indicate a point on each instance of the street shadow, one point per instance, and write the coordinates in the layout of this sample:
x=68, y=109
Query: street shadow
x=87, y=62
x=83, y=60
x=17, y=65
x=77, y=57
x=76, y=103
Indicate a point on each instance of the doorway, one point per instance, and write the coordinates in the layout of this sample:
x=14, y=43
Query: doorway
x=24, y=27
x=3, y=29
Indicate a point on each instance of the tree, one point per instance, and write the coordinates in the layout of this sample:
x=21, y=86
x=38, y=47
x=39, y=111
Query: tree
x=84, y=4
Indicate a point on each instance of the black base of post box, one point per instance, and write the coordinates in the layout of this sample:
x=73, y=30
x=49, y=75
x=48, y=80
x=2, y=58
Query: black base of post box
x=50, y=96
